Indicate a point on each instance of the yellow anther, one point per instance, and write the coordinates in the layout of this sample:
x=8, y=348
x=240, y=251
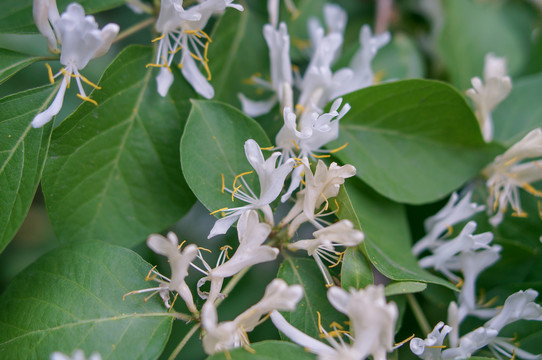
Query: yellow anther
x=87, y=81
x=223, y=185
x=159, y=38
x=490, y=302
x=341, y=255
x=206, y=36
x=204, y=249
x=511, y=161
x=295, y=144
x=295, y=68
x=339, y=148
x=303, y=182
x=205, y=50
x=519, y=215
x=513, y=355
x=379, y=76
x=86, y=98
x=67, y=76
x=175, y=51
x=148, y=277
x=267, y=148
x=180, y=66
x=301, y=43
x=173, y=302
x=50, y=73
x=325, y=199
x=154, y=65
x=540, y=209
x=329, y=285
x=322, y=156
x=459, y=284
x=193, y=32
x=206, y=66
x=450, y=230
x=299, y=108
x=234, y=191
x=181, y=244
x=219, y=210
x=436, y=347
x=242, y=174
x=401, y=343
x=320, y=327
x=336, y=204
x=528, y=187
x=336, y=324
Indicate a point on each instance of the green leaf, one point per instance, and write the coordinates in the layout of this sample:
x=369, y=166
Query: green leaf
x=356, y=271
x=387, y=240
x=16, y=16
x=404, y=287
x=72, y=298
x=520, y=112
x=412, y=141
x=11, y=62
x=23, y=151
x=213, y=144
x=305, y=317
x=236, y=35
x=267, y=350
x=114, y=171
x=474, y=28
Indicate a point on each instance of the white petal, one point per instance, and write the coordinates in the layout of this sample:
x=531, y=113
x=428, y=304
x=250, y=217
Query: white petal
x=164, y=81
x=46, y=116
x=192, y=74
x=256, y=108
x=108, y=34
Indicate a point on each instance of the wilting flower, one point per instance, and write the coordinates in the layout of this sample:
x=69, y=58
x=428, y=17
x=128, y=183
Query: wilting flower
x=431, y=347
x=487, y=96
x=81, y=42
x=179, y=262
x=182, y=30
x=76, y=355
x=451, y=214
x=231, y=334
x=510, y=171
x=325, y=242
x=372, y=325
x=271, y=180
x=252, y=234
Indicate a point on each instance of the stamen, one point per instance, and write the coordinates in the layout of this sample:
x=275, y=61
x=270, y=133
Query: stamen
x=181, y=244
x=529, y=188
x=205, y=249
x=519, y=215
x=87, y=81
x=159, y=38
x=511, y=161
x=225, y=249
x=193, y=32
x=148, y=277
x=379, y=76
x=401, y=343
x=267, y=148
x=337, y=205
x=450, y=230
x=339, y=148
x=155, y=65
x=299, y=108
x=341, y=255
x=327, y=202
x=336, y=325
x=234, y=191
x=173, y=302
x=301, y=43
x=460, y=283
x=513, y=355
x=206, y=36
x=219, y=210
x=86, y=98
x=223, y=185
x=320, y=327
x=321, y=156
x=436, y=347
x=295, y=144
x=540, y=209
x=50, y=73
x=242, y=174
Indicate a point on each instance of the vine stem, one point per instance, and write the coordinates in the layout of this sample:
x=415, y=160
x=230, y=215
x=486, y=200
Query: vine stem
x=133, y=29
x=418, y=314
x=231, y=285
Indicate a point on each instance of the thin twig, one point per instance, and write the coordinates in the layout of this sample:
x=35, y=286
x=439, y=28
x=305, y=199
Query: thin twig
x=134, y=29
x=418, y=314
x=183, y=342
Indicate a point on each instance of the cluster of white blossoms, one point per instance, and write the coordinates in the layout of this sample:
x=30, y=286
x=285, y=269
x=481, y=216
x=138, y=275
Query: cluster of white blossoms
x=80, y=41
x=182, y=32
x=469, y=254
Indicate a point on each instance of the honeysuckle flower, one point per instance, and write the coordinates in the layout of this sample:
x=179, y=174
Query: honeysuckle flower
x=518, y=306
x=46, y=14
x=372, y=325
x=271, y=179
x=179, y=262
x=335, y=19
x=231, y=334
x=252, y=234
x=361, y=62
x=182, y=30
x=81, y=42
x=510, y=171
x=76, y=355
x=470, y=343
x=451, y=214
x=488, y=94
x=325, y=242
x=319, y=187
x=278, y=42
x=431, y=347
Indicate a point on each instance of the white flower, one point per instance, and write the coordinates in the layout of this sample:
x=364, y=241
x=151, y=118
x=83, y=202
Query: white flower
x=372, y=324
x=231, y=334
x=431, y=347
x=271, y=180
x=46, y=14
x=278, y=42
x=361, y=62
x=81, y=42
x=487, y=96
x=510, y=171
x=252, y=234
x=518, y=306
x=182, y=30
x=179, y=262
x=319, y=187
x=76, y=355
x=325, y=242
x=335, y=18
x=470, y=343
x=451, y=214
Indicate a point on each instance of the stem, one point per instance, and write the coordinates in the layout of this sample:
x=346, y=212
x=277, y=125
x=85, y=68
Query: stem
x=183, y=342
x=134, y=29
x=418, y=314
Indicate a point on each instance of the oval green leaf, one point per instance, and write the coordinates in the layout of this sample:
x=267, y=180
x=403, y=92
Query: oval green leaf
x=114, y=172
x=212, y=145
x=356, y=271
x=305, y=272
x=404, y=287
x=11, y=62
x=413, y=141
x=72, y=298
x=267, y=350
x=23, y=151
